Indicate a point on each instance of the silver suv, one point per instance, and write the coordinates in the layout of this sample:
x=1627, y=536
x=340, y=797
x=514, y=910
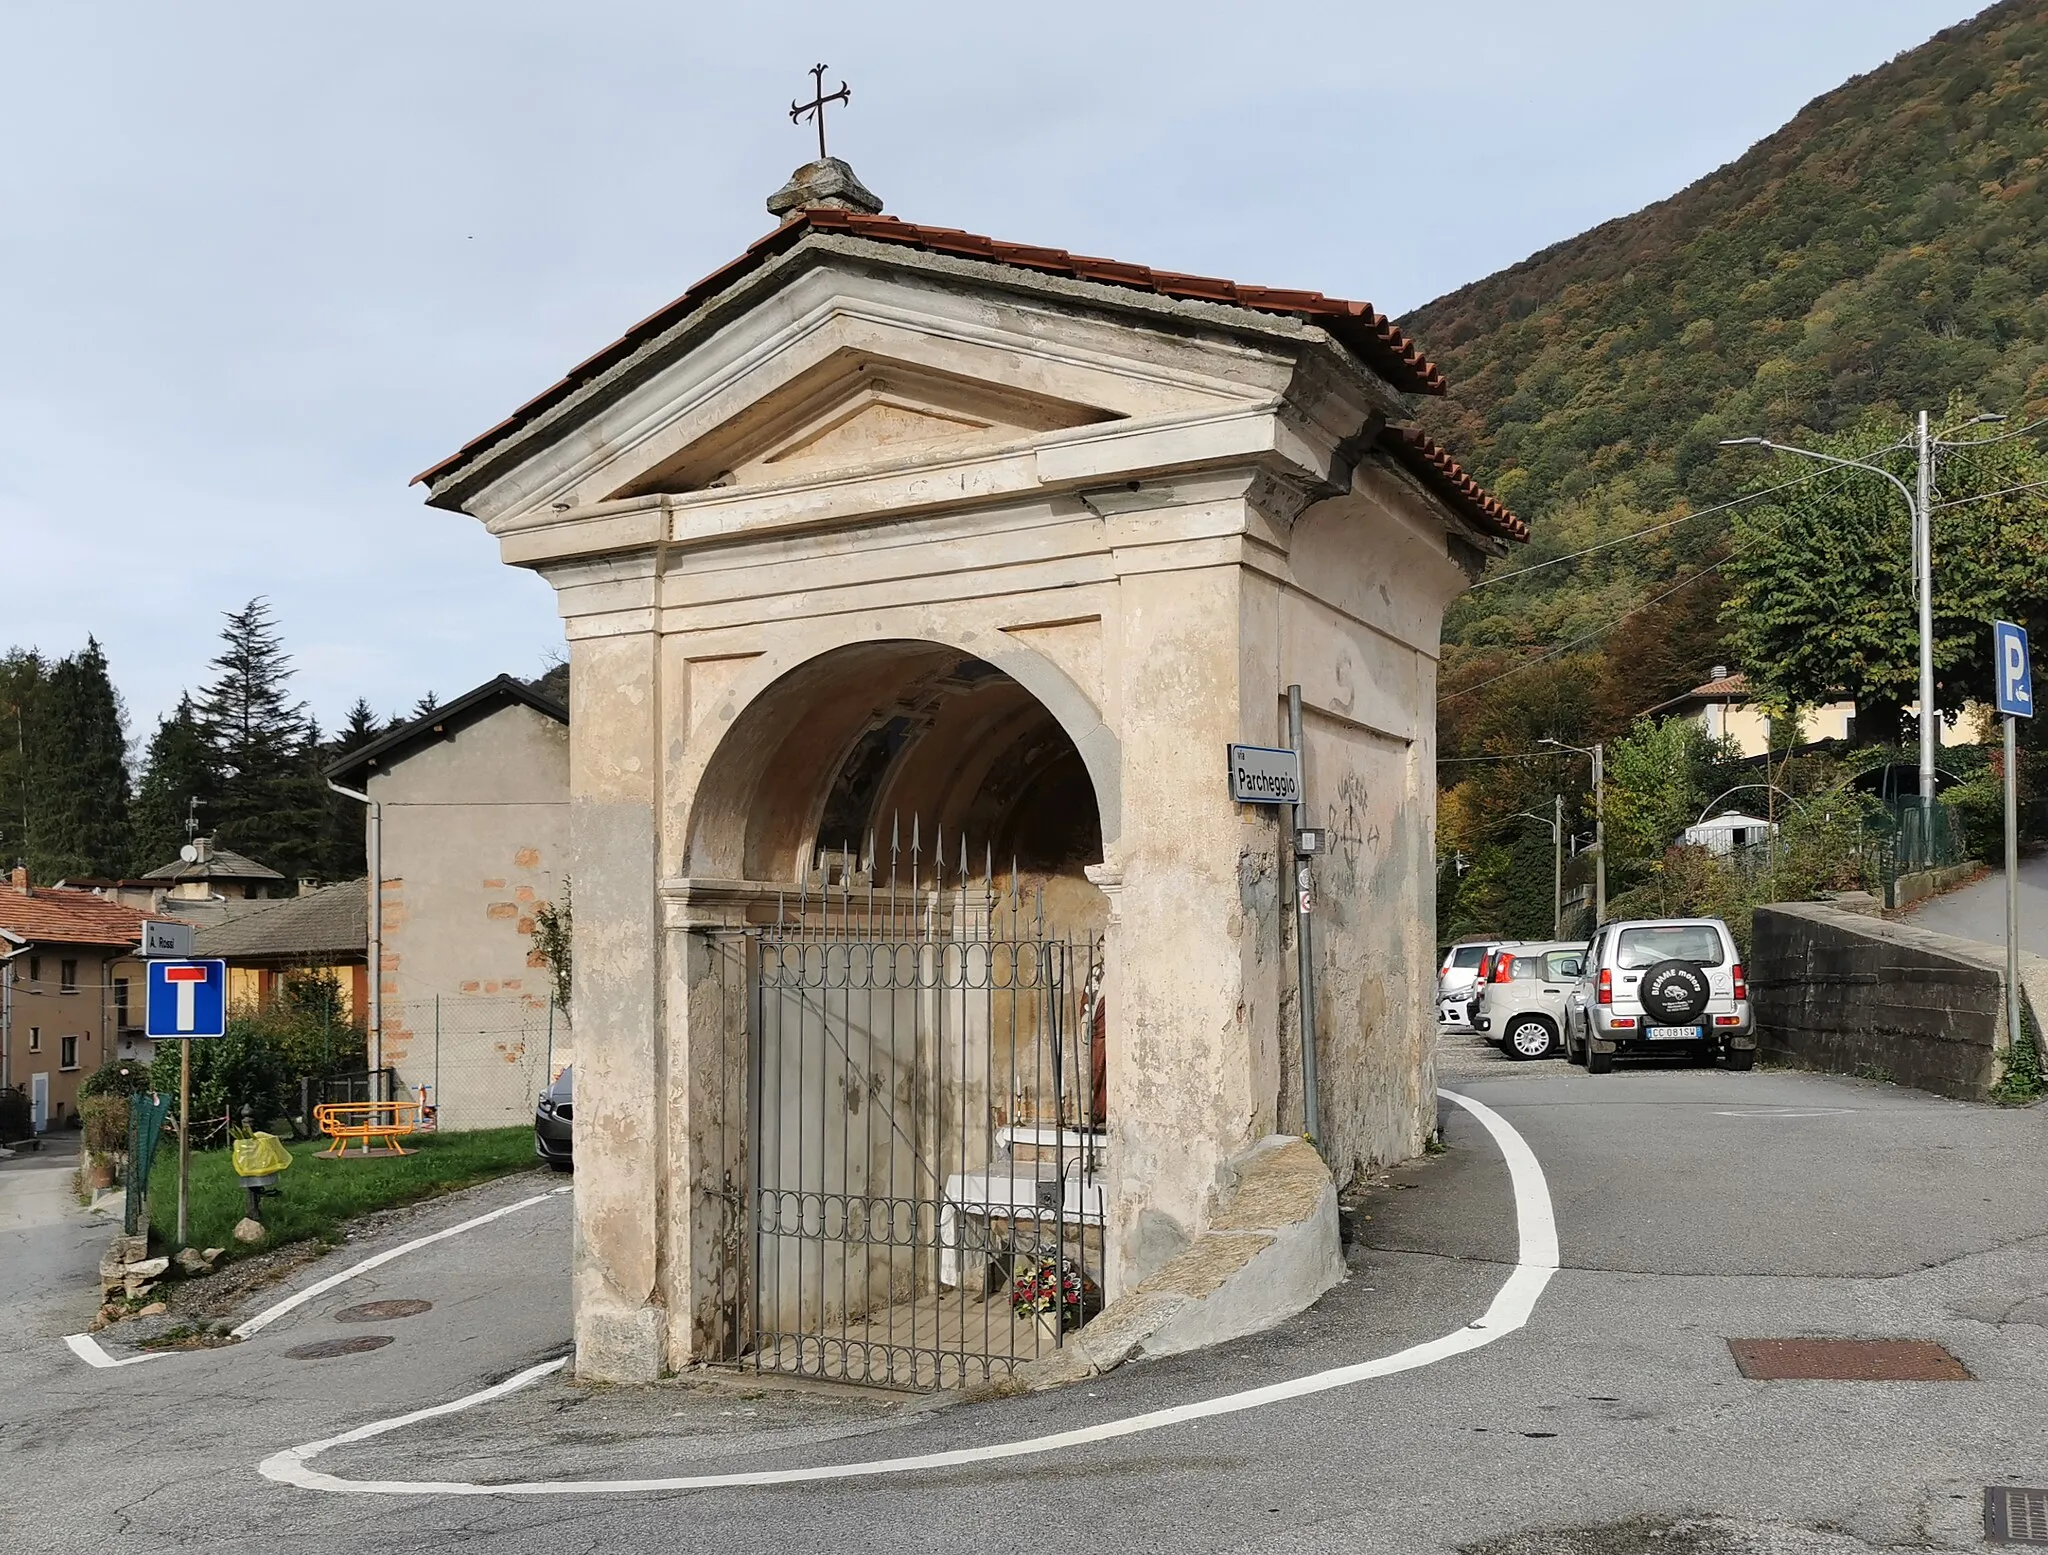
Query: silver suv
x=1521, y=1007
x=1660, y=985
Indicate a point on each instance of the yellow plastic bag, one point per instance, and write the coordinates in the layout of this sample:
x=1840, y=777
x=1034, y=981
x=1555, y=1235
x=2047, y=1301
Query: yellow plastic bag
x=259, y=1155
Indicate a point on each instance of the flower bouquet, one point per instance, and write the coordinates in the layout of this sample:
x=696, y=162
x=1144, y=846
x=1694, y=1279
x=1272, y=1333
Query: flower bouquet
x=1050, y=1286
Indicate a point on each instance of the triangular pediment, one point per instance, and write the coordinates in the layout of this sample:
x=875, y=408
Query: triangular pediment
x=855, y=411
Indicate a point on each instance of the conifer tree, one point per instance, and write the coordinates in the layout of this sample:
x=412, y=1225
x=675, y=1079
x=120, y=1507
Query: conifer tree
x=177, y=770
x=23, y=678
x=78, y=799
x=343, y=851
x=271, y=806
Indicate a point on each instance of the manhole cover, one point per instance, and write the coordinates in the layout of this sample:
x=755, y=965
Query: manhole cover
x=2015, y=1516
x=328, y=1349
x=378, y=1311
x=1846, y=1360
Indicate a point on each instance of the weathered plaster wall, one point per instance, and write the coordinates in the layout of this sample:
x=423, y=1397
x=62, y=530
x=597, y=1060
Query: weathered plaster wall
x=476, y=836
x=621, y=1072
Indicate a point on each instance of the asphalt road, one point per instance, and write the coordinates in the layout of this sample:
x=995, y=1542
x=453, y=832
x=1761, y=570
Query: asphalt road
x=49, y=1248
x=1977, y=911
x=1692, y=1207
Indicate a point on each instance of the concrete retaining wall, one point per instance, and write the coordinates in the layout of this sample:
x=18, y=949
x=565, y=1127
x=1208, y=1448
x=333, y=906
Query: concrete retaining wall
x=1917, y=887
x=1845, y=993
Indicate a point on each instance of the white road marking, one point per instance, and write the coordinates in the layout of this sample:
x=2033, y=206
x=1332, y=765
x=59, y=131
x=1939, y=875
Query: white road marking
x=271, y=1314
x=1787, y=1112
x=1511, y=1307
x=87, y=1349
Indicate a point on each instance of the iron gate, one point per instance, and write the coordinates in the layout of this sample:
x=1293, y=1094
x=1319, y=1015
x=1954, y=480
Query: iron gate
x=925, y=1165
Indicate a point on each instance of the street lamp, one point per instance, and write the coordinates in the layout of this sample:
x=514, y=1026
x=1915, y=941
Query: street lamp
x=1917, y=506
x=1599, y=755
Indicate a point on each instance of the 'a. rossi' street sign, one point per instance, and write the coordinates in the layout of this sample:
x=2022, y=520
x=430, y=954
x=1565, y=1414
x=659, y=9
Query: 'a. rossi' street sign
x=1262, y=774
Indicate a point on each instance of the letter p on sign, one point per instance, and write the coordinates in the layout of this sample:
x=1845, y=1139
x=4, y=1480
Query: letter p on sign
x=2015, y=671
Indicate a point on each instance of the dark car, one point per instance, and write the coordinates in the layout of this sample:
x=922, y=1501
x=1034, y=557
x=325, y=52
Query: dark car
x=552, y=1121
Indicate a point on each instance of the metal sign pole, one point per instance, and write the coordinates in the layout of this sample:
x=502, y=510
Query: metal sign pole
x=2012, y=883
x=2013, y=676
x=1305, y=991
x=184, y=1132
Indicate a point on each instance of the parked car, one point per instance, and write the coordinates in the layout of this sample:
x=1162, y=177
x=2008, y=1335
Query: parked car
x=1520, y=1008
x=554, y=1121
x=1465, y=964
x=1660, y=985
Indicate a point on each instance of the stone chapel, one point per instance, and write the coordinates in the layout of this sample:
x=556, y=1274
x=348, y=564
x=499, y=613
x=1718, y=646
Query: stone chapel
x=928, y=981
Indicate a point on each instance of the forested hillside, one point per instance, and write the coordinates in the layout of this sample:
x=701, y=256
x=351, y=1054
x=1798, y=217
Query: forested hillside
x=1887, y=248
x=1886, y=251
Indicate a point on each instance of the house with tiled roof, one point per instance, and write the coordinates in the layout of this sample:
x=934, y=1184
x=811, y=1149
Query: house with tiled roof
x=322, y=933
x=471, y=838
x=71, y=991
x=1722, y=705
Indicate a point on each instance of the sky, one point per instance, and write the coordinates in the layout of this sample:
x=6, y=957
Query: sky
x=260, y=264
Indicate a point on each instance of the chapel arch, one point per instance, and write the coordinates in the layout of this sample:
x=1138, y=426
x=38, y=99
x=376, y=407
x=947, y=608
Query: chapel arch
x=845, y=752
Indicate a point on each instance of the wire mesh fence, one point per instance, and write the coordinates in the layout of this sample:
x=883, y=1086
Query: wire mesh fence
x=477, y=1061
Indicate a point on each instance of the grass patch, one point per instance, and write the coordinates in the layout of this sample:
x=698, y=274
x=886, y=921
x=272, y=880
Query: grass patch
x=319, y=1196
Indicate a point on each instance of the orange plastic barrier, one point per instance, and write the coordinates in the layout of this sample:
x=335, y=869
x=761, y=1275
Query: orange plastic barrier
x=347, y=1122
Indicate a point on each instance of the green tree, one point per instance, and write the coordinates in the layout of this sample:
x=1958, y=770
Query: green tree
x=342, y=838
x=1823, y=604
x=272, y=804
x=23, y=679
x=1660, y=776
x=79, y=795
x=177, y=769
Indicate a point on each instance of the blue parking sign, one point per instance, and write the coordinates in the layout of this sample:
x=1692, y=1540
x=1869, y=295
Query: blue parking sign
x=2015, y=670
x=187, y=999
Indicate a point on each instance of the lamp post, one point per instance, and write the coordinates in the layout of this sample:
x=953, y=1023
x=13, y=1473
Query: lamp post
x=1599, y=755
x=1555, y=821
x=1918, y=507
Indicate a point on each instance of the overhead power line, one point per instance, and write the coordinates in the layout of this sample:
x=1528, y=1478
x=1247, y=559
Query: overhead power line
x=1637, y=534
x=1986, y=496
x=1599, y=632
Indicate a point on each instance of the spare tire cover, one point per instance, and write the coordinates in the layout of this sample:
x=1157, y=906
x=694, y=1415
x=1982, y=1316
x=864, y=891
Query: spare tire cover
x=1674, y=993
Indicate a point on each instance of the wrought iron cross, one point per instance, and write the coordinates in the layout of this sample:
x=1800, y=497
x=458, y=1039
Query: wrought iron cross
x=816, y=106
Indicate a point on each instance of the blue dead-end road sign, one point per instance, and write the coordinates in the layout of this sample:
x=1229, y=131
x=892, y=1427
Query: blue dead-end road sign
x=2015, y=670
x=187, y=999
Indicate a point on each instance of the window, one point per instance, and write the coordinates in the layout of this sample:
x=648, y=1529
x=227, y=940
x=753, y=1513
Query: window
x=1561, y=966
x=1466, y=957
x=121, y=1002
x=35, y=1039
x=35, y=969
x=67, y=1052
x=1639, y=949
x=67, y=976
x=1525, y=967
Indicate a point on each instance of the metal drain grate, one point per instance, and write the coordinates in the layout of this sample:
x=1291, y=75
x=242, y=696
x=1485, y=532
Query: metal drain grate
x=2013, y=1515
x=1846, y=1360
x=329, y=1349
x=379, y=1311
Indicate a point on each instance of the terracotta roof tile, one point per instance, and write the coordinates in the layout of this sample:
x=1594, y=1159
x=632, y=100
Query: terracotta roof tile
x=1360, y=326
x=1420, y=454
x=54, y=915
x=1735, y=685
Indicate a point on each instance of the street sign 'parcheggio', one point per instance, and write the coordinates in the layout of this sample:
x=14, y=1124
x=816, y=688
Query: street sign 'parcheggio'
x=187, y=999
x=1262, y=774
